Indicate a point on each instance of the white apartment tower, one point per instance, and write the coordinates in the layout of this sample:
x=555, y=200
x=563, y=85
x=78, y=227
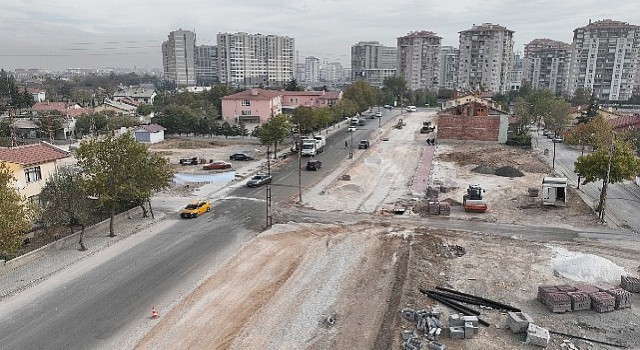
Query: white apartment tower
x=255, y=60
x=546, y=64
x=448, y=75
x=178, y=58
x=605, y=59
x=311, y=69
x=206, y=65
x=486, y=53
x=418, y=60
x=373, y=62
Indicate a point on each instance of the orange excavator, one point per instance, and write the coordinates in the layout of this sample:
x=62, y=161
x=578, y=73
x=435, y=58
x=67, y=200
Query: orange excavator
x=472, y=201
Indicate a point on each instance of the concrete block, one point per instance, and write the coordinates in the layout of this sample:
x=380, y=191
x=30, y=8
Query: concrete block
x=518, y=322
x=537, y=336
x=472, y=319
x=456, y=332
x=436, y=346
x=435, y=312
x=408, y=334
x=470, y=330
x=456, y=320
x=408, y=314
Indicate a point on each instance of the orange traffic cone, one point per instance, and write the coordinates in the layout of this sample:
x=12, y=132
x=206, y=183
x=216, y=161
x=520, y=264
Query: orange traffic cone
x=154, y=313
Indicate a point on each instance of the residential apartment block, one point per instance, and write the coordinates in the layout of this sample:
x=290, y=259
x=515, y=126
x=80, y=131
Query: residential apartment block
x=448, y=74
x=332, y=72
x=311, y=69
x=546, y=64
x=178, y=57
x=517, y=71
x=605, y=59
x=373, y=62
x=418, y=60
x=486, y=54
x=248, y=60
x=206, y=65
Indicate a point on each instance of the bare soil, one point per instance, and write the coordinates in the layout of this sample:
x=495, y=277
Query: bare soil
x=341, y=286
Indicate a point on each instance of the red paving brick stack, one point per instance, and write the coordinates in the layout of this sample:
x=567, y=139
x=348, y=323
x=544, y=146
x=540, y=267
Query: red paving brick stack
x=622, y=298
x=579, y=300
x=603, y=297
x=602, y=302
x=557, y=301
x=445, y=208
x=631, y=284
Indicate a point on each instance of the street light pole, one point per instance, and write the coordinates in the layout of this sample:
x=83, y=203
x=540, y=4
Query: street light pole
x=269, y=220
x=581, y=155
x=605, y=183
x=351, y=149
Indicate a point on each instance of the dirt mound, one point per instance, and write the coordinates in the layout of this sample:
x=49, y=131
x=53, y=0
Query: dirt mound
x=508, y=171
x=185, y=144
x=484, y=169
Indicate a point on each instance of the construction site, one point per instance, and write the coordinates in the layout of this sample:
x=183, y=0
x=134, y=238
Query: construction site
x=364, y=264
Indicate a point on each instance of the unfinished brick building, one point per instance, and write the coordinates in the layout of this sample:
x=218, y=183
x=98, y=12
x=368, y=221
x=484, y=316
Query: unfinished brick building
x=473, y=121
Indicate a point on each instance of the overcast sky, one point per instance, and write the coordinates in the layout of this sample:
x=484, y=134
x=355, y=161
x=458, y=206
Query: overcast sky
x=116, y=33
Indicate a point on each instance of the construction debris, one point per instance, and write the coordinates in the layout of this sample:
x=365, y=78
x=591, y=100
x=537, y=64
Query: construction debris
x=518, y=322
x=427, y=323
x=537, y=336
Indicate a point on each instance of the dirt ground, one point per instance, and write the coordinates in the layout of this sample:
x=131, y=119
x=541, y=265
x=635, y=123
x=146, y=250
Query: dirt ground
x=341, y=286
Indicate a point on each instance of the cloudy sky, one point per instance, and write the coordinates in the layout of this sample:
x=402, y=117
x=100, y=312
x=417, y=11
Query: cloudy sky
x=90, y=34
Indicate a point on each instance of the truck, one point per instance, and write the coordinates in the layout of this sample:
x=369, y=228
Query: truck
x=313, y=146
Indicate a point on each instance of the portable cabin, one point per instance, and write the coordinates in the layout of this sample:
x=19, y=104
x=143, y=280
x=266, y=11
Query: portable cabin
x=554, y=191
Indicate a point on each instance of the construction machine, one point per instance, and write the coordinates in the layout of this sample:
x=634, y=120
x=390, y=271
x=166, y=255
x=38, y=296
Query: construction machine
x=472, y=201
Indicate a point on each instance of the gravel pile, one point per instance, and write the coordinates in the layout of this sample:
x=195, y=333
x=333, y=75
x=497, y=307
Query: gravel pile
x=508, y=171
x=585, y=267
x=484, y=169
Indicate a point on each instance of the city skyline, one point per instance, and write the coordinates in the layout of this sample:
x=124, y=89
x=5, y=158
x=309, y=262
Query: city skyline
x=71, y=34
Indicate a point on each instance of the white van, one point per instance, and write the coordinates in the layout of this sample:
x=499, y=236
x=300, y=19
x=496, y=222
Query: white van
x=412, y=108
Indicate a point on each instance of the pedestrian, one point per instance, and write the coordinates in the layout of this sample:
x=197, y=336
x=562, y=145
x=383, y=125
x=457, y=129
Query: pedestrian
x=346, y=144
x=429, y=142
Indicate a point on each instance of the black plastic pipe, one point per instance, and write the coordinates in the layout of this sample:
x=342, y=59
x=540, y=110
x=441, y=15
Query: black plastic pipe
x=456, y=306
x=504, y=306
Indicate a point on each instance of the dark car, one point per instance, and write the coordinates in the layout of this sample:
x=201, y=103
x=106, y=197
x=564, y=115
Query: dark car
x=240, y=156
x=363, y=144
x=259, y=180
x=314, y=164
x=189, y=161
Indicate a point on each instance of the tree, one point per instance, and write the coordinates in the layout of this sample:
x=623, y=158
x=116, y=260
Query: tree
x=581, y=97
x=66, y=203
x=304, y=118
x=241, y=129
x=557, y=115
x=292, y=85
x=112, y=170
x=151, y=175
x=363, y=94
x=345, y=108
x=612, y=164
x=394, y=86
x=591, y=112
x=523, y=112
x=145, y=109
x=16, y=214
x=274, y=131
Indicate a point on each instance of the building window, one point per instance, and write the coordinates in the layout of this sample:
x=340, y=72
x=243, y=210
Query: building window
x=33, y=174
x=246, y=102
x=245, y=112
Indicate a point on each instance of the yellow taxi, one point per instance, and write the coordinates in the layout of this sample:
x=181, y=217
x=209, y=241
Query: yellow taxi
x=195, y=209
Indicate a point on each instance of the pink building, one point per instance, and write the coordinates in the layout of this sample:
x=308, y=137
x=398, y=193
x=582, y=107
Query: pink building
x=252, y=106
x=256, y=106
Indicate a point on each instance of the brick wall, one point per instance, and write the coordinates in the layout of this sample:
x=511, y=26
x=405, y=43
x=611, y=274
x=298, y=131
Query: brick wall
x=460, y=127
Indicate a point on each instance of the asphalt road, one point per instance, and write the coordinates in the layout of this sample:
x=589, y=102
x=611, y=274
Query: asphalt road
x=622, y=206
x=108, y=298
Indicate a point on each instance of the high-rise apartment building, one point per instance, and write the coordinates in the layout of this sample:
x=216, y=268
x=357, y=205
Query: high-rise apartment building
x=178, y=57
x=486, y=54
x=206, y=65
x=373, y=62
x=605, y=59
x=418, y=60
x=448, y=75
x=546, y=64
x=516, y=71
x=332, y=72
x=255, y=59
x=311, y=69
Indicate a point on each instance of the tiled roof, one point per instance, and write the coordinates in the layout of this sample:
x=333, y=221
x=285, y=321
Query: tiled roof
x=254, y=94
x=28, y=155
x=50, y=106
x=152, y=128
x=628, y=121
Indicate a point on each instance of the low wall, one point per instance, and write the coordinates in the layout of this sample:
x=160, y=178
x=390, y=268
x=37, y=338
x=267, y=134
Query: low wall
x=68, y=241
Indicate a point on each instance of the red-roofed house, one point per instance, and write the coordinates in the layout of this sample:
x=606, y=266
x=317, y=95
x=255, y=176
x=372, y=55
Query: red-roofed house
x=293, y=99
x=150, y=133
x=65, y=108
x=32, y=165
x=252, y=106
x=625, y=122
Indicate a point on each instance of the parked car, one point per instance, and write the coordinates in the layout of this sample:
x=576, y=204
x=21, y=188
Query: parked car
x=388, y=107
x=557, y=139
x=314, y=164
x=351, y=128
x=363, y=144
x=195, y=209
x=259, y=180
x=379, y=114
x=412, y=108
x=189, y=161
x=219, y=164
x=240, y=156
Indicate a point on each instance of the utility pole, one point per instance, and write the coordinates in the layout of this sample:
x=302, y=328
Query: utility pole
x=581, y=155
x=269, y=218
x=351, y=146
x=12, y=129
x=299, y=168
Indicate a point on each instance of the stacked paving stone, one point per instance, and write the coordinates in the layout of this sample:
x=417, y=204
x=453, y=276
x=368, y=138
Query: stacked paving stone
x=445, y=208
x=622, y=298
x=427, y=322
x=518, y=322
x=434, y=207
x=602, y=302
x=631, y=284
x=537, y=335
x=579, y=300
x=587, y=288
x=555, y=299
x=463, y=327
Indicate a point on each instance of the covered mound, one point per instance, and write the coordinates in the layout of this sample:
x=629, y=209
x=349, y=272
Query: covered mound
x=484, y=169
x=508, y=171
